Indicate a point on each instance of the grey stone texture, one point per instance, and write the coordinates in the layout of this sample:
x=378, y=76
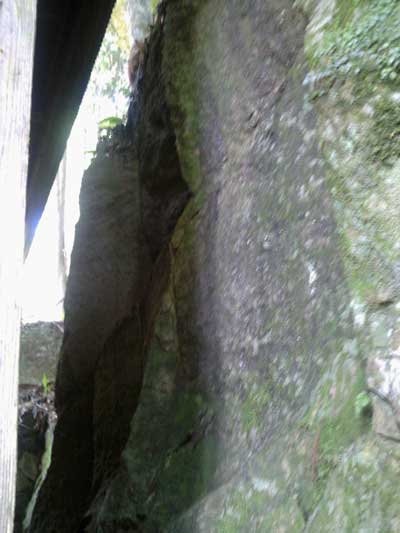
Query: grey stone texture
x=270, y=379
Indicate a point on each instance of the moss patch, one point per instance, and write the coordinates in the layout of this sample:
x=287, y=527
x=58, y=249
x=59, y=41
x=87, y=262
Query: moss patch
x=363, y=150
x=361, y=496
x=383, y=138
x=249, y=509
x=254, y=407
x=182, y=92
x=335, y=422
x=362, y=42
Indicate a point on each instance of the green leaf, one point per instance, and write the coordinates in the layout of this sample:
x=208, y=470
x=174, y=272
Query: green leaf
x=109, y=123
x=45, y=384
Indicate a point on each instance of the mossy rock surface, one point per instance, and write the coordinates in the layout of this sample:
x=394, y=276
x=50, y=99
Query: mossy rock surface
x=256, y=409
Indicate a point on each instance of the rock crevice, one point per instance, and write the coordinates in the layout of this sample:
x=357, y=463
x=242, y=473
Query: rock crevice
x=132, y=194
x=233, y=294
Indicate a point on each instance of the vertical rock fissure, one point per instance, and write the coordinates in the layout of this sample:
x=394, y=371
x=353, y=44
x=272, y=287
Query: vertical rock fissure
x=131, y=197
x=245, y=331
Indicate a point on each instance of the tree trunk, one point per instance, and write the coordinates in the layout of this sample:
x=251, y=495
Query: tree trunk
x=17, y=26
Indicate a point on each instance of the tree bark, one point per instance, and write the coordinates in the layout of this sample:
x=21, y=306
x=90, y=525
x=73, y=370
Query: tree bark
x=17, y=27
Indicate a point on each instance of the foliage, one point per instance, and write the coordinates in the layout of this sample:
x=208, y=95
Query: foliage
x=106, y=127
x=109, y=76
x=153, y=5
x=45, y=384
x=109, y=123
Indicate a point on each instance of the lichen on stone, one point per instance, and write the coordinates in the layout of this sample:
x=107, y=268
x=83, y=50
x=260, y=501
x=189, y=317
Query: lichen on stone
x=383, y=139
x=361, y=42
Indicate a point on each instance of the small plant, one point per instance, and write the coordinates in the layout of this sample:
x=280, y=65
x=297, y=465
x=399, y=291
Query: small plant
x=107, y=127
x=109, y=123
x=45, y=384
x=363, y=404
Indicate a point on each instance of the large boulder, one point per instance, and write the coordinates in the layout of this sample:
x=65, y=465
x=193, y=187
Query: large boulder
x=270, y=396
x=278, y=336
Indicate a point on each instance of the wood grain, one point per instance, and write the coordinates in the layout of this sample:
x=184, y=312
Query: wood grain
x=17, y=27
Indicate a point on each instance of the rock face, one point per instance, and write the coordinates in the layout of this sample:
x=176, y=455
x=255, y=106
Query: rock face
x=40, y=345
x=131, y=197
x=265, y=323
x=36, y=420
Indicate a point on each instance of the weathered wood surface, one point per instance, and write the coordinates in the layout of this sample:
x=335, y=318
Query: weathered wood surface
x=17, y=27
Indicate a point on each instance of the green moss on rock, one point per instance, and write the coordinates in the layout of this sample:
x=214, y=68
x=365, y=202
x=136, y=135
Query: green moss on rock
x=383, y=139
x=362, y=42
x=248, y=508
x=361, y=495
x=254, y=407
x=182, y=92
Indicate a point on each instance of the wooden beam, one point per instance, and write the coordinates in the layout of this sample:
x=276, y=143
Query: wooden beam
x=69, y=36
x=17, y=28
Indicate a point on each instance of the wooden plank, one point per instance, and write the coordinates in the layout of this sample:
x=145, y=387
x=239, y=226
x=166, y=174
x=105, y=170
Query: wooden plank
x=68, y=40
x=17, y=27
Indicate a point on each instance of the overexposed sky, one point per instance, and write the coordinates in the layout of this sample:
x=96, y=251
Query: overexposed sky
x=42, y=297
